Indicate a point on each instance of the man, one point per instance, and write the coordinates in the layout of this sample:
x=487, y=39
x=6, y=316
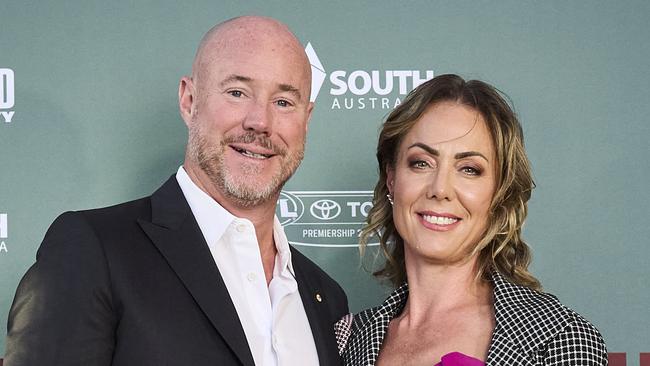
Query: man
x=199, y=273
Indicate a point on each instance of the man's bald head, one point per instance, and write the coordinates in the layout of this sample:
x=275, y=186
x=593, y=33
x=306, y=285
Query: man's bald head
x=250, y=33
x=247, y=109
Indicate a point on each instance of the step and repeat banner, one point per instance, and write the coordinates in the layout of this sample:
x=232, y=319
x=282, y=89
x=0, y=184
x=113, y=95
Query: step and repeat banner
x=89, y=118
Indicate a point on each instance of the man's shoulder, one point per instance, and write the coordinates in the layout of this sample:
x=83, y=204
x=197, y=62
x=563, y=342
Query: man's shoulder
x=133, y=210
x=79, y=226
x=130, y=210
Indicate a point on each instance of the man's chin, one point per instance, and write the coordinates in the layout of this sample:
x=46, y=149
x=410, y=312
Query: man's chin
x=250, y=191
x=251, y=198
x=250, y=187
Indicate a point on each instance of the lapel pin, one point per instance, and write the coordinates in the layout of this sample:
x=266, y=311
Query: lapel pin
x=319, y=298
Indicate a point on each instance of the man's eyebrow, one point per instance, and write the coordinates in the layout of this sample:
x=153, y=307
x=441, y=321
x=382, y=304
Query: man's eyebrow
x=245, y=79
x=291, y=89
x=235, y=77
x=460, y=155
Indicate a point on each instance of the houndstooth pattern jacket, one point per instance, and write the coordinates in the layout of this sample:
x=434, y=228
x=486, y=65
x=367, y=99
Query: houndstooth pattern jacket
x=532, y=328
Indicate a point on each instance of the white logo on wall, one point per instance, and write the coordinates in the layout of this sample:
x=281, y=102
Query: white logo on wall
x=325, y=209
x=4, y=233
x=362, y=89
x=6, y=94
x=332, y=218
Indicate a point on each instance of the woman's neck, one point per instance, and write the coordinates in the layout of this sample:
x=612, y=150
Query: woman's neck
x=436, y=289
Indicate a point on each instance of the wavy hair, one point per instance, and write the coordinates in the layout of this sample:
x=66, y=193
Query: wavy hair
x=501, y=248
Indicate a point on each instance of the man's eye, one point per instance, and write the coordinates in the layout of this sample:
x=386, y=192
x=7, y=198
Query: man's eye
x=283, y=103
x=235, y=93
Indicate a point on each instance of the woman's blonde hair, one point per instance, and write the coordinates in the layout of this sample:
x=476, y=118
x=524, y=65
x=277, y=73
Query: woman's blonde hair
x=501, y=248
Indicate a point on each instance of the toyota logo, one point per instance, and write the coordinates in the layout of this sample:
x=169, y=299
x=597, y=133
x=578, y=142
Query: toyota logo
x=325, y=209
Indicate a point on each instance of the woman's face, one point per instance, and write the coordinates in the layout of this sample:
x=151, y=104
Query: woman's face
x=443, y=182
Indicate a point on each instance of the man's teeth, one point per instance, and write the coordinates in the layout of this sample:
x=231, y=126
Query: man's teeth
x=252, y=154
x=439, y=220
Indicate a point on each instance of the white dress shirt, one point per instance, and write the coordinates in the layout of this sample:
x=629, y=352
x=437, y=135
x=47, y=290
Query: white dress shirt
x=273, y=317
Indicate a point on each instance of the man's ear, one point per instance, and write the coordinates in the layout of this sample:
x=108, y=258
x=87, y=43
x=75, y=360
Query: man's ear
x=186, y=99
x=310, y=109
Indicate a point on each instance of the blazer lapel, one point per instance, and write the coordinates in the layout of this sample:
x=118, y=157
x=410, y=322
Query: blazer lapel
x=369, y=328
x=504, y=352
x=178, y=237
x=366, y=339
x=525, y=321
x=317, y=313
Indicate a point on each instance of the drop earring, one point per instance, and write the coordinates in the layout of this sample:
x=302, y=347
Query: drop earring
x=390, y=199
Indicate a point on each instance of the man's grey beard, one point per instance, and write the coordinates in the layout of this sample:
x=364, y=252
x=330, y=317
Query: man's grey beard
x=247, y=192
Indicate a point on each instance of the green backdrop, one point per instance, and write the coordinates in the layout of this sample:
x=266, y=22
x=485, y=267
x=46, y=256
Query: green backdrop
x=94, y=121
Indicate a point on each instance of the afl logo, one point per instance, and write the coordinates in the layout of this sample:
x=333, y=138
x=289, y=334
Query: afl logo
x=289, y=209
x=325, y=209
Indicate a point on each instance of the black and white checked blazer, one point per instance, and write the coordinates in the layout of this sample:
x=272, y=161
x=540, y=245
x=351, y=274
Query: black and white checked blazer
x=532, y=328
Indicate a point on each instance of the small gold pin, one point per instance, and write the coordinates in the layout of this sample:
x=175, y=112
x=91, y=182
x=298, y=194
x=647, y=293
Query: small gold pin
x=319, y=298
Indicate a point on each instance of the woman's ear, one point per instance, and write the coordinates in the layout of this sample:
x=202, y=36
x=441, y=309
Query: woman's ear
x=390, y=179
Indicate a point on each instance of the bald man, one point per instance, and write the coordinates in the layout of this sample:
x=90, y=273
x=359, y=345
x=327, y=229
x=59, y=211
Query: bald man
x=200, y=272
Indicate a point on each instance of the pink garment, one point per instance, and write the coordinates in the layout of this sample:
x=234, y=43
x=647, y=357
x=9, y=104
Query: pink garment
x=458, y=359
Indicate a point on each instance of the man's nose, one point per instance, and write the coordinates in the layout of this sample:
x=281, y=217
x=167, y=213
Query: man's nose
x=259, y=118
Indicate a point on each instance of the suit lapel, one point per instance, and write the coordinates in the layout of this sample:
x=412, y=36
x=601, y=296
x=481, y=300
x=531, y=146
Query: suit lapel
x=317, y=313
x=177, y=236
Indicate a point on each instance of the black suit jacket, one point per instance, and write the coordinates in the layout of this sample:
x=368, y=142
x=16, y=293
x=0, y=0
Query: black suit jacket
x=135, y=284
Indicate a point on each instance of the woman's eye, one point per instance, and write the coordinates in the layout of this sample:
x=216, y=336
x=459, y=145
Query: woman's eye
x=470, y=170
x=419, y=164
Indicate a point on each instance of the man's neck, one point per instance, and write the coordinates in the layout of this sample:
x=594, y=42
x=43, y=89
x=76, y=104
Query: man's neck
x=261, y=215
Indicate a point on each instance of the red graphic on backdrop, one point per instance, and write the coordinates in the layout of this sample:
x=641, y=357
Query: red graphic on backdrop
x=619, y=359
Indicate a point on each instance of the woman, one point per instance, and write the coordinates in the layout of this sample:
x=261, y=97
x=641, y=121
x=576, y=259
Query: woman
x=449, y=206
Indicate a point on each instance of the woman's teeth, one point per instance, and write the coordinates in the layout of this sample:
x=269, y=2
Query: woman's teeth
x=439, y=220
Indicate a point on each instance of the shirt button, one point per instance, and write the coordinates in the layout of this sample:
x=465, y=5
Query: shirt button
x=251, y=277
x=275, y=342
x=241, y=228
